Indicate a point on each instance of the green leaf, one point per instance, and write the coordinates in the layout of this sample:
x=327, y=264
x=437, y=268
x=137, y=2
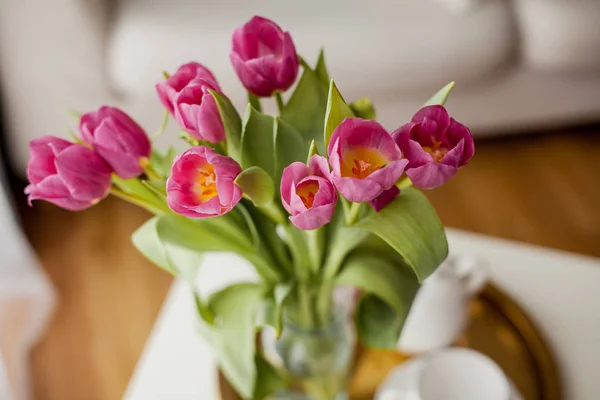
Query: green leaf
x=257, y=141
x=289, y=147
x=275, y=302
x=344, y=240
x=389, y=287
x=410, y=226
x=337, y=110
x=162, y=163
x=135, y=188
x=146, y=240
x=363, y=108
x=257, y=185
x=176, y=260
x=321, y=68
x=214, y=234
x=296, y=241
x=254, y=102
x=312, y=150
x=232, y=335
x=305, y=110
x=232, y=124
x=441, y=96
x=268, y=380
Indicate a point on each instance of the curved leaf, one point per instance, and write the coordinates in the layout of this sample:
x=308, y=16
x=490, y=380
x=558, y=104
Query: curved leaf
x=441, y=96
x=389, y=287
x=321, y=68
x=256, y=183
x=337, y=110
x=410, y=226
x=289, y=147
x=257, y=141
x=232, y=124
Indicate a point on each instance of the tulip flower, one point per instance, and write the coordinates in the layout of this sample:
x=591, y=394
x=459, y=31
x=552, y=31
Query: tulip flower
x=365, y=160
x=169, y=89
x=385, y=198
x=202, y=185
x=66, y=174
x=264, y=57
x=197, y=112
x=308, y=194
x=435, y=145
x=118, y=139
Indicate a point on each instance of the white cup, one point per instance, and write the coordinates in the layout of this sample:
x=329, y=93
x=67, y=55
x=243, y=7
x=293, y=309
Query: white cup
x=449, y=374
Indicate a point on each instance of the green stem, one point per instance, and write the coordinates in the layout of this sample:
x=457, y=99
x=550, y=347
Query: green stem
x=280, y=104
x=162, y=128
x=316, y=238
x=404, y=183
x=353, y=213
x=273, y=211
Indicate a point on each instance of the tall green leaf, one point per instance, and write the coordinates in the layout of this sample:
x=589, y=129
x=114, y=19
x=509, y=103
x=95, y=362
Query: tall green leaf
x=232, y=124
x=321, y=68
x=268, y=380
x=410, y=225
x=337, y=110
x=289, y=147
x=441, y=96
x=389, y=287
x=305, y=110
x=257, y=141
x=136, y=189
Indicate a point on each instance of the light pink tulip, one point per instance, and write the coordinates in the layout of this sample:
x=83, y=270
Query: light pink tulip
x=169, y=89
x=197, y=112
x=118, y=139
x=202, y=185
x=364, y=159
x=66, y=174
x=435, y=145
x=308, y=194
x=264, y=57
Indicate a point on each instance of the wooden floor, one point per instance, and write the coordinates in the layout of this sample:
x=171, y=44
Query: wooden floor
x=538, y=189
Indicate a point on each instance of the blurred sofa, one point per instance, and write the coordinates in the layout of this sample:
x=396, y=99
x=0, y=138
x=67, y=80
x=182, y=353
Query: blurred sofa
x=519, y=65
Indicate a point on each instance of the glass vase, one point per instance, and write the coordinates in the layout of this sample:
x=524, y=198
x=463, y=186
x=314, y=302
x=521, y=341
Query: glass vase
x=317, y=359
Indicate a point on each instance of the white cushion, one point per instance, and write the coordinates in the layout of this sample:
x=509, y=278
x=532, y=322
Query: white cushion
x=561, y=35
x=382, y=50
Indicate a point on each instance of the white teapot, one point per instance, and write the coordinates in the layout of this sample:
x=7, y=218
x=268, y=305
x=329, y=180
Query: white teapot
x=440, y=310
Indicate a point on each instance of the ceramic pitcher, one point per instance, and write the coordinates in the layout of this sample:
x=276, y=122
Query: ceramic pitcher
x=439, y=312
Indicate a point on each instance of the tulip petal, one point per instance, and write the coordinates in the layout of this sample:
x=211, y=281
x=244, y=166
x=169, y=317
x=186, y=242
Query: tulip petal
x=314, y=218
x=457, y=132
x=384, y=198
x=251, y=79
x=319, y=166
x=292, y=174
x=84, y=173
x=43, y=153
x=454, y=156
x=431, y=175
x=388, y=176
x=411, y=150
x=53, y=190
x=357, y=190
x=210, y=124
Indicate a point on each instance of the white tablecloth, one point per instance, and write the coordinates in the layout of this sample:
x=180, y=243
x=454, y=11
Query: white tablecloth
x=559, y=290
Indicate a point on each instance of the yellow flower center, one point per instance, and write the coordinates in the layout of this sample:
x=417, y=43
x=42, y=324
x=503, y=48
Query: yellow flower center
x=438, y=150
x=307, y=192
x=205, y=186
x=361, y=162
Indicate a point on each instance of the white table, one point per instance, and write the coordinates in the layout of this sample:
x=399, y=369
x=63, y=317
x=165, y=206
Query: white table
x=561, y=291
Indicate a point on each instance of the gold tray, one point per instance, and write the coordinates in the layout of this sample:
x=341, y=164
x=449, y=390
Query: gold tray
x=498, y=328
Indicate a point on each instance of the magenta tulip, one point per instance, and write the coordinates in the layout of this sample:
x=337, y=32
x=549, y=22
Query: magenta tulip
x=202, y=185
x=66, y=174
x=364, y=159
x=169, y=89
x=435, y=145
x=308, y=194
x=118, y=139
x=264, y=57
x=197, y=112
x=385, y=198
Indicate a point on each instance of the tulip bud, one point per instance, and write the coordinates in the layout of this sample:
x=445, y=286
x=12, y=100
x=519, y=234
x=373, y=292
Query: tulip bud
x=169, y=89
x=364, y=159
x=66, y=174
x=202, y=185
x=435, y=145
x=197, y=112
x=118, y=139
x=264, y=57
x=308, y=194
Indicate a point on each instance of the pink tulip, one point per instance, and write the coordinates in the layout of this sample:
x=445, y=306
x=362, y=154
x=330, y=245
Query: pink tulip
x=364, y=159
x=197, y=112
x=435, y=145
x=66, y=174
x=202, y=185
x=264, y=57
x=385, y=198
x=308, y=194
x=169, y=89
x=118, y=139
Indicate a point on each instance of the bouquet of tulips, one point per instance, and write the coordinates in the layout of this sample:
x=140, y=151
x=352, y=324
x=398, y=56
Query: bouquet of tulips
x=315, y=197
